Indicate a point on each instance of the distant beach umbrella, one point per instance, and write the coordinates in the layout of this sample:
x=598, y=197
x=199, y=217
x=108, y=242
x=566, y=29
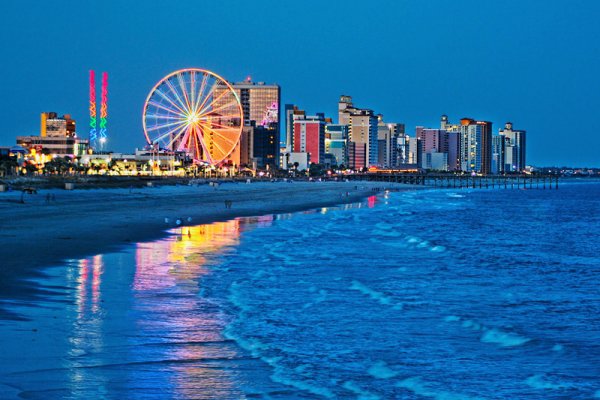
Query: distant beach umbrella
x=167, y=220
x=178, y=221
x=189, y=219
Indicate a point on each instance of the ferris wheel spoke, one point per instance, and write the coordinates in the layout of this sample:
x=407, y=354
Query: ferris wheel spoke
x=207, y=97
x=192, y=89
x=163, y=107
x=176, y=136
x=208, y=108
x=168, y=99
x=200, y=140
x=219, y=108
x=169, y=133
x=223, y=152
x=162, y=126
x=221, y=135
x=184, y=91
x=198, y=143
x=157, y=116
x=184, y=140
x=201, y=91
x=177, y=96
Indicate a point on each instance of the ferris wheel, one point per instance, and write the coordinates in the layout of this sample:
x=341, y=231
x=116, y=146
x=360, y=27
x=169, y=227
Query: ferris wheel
x=195, y=111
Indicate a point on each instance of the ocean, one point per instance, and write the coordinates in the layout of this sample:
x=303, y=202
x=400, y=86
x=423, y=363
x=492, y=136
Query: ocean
x=438, y=294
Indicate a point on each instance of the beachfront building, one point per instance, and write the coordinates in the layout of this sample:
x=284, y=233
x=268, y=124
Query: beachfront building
x=309, y=135
x=261, y=108
x=362, y=132
x=388, y=136
x=400, y=149
x=440, y=149
x=52, y=125
x=336, y=143
x=476, y=146
x=498, y=154
x=515, y=146
x=57, y=137
x=265, y=145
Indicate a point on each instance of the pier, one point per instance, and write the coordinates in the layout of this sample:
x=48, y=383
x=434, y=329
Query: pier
x=464, y=181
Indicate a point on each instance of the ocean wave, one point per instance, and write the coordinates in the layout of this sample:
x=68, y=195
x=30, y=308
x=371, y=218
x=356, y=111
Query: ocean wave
x=504, y=339
x=412, y=239
x=362, y=394
x=417, y=386
x=540, y=382
x=375, y=295
x=280, y=375
x=491, y=335
x=381, y=370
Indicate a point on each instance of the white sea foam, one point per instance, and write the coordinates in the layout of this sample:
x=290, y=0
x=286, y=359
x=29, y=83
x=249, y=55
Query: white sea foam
x=540, y=382
x=412, y=239
x=361, y=394
x=452, y=318
x=381, y=370
x=375, y=295
x=423, y=244
x=490, y=335
x=417, y=386
x=438, y=249
x=455, y=195
x=504, y=339
x=322, y=296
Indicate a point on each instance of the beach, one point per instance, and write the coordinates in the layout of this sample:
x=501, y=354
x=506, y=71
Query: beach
x=402, y=294
x=55, y=224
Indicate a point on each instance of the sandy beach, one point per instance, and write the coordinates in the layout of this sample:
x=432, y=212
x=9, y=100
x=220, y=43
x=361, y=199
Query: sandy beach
x=55, y=224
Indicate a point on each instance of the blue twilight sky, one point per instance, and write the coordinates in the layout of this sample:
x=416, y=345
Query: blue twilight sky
x=533, y=62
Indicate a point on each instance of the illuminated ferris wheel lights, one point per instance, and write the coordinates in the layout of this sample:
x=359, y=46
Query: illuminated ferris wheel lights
x=195, y=111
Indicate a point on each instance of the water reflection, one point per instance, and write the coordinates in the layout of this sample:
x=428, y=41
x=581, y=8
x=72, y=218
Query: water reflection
x=182, y=325
x=139, y=319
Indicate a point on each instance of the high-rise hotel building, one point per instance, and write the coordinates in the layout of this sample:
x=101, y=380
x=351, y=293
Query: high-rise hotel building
x=476, y=146
x=261, y=110
x=309, y=136
x=514, y=148
x=362, y=133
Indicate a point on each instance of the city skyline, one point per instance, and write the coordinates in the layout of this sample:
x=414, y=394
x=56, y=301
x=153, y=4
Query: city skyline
x=412, y=76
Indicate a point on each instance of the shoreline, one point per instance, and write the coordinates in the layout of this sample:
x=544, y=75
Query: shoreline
x=42, y=232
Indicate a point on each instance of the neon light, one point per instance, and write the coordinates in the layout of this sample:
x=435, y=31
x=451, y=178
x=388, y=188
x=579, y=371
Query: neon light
x=93, y=133
x=104, y=108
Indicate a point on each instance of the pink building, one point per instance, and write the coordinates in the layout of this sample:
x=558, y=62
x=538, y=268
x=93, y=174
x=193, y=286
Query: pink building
x=440, y=141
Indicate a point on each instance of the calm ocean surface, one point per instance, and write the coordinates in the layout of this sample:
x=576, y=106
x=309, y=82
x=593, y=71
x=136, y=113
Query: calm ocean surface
x=437, y=294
